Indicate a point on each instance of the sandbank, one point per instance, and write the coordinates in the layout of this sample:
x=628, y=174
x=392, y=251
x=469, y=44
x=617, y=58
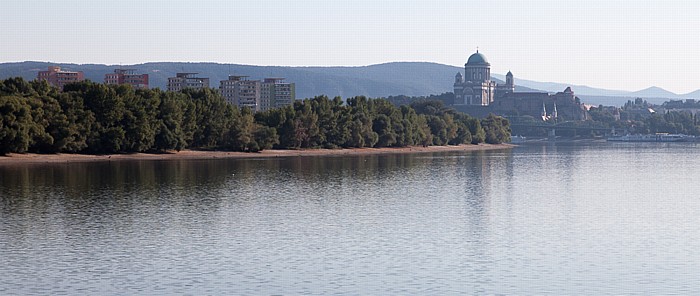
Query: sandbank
x=28, y=158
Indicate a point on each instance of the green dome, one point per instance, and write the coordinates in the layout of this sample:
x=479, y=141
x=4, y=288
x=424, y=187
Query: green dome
x=477, y=59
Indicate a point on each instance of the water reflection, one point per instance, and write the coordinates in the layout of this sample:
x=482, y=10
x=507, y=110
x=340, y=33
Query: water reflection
x=533, y=220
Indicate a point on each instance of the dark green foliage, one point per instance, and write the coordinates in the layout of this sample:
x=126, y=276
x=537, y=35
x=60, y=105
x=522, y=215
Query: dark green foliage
x=247, y=135
x=213, y=117
x=16, y=125
x=169, y=131
x=445, y=98
x=463, y=133
x=363, y=122
x=638, y=117
x=600, y=114
x=496, y=128
x=89, y=117
x=265, y=137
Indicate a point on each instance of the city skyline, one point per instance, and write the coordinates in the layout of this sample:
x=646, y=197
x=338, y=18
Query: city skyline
x=622, y=45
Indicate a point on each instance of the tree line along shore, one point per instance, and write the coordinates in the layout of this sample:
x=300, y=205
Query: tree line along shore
x=93, y=118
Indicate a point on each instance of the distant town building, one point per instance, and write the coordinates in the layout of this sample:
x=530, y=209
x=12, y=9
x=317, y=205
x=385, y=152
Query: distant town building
x=59, y=78
x=276, y=93
x=240, y=91
x=187, y=80
x=257, y=95
x=127, y=76
x=475, y=93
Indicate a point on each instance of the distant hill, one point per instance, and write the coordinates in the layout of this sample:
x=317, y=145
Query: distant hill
x=653, y=92
x=382, y=80
x=654, y=95
x=405, y=78
x=557, y=87
x=616, y=101
x=693, y=95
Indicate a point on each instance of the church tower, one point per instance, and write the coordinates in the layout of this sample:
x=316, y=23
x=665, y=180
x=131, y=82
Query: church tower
x=509, y=81
x=544, y=112
x=508, y=87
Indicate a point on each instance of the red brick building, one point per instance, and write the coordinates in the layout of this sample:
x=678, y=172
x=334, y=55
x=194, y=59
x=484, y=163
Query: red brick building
x=127, y=76
x=58, y=78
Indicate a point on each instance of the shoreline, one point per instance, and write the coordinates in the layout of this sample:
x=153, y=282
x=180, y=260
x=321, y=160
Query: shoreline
x=32, y=158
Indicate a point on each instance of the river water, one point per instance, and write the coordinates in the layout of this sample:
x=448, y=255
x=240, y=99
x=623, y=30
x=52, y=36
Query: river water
x=559, y=219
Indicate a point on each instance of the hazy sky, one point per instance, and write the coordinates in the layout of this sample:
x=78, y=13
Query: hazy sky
x=627, y=45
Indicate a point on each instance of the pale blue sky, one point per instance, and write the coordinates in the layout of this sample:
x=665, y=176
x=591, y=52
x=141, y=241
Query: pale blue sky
x=627, y=45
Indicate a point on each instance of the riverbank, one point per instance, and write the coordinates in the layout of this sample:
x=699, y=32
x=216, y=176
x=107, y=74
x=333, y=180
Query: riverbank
x=14, y=158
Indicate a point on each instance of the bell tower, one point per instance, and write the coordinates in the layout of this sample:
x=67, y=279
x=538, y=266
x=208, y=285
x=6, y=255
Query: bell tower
x=510, y=83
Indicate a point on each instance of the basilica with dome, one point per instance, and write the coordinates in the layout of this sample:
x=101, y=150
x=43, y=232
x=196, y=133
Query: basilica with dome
x=476, y=87
x=476, y=94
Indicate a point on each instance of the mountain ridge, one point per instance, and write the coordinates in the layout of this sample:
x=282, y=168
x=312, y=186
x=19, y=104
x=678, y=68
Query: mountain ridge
x=378, y=80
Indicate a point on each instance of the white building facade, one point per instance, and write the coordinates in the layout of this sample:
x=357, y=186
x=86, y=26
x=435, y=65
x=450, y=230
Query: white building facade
x=187, y=80
x=240, y=91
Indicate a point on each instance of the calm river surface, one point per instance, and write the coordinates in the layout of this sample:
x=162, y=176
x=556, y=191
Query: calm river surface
x=548, y=219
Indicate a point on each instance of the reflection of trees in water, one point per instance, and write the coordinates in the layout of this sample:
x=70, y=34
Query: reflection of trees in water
x=362, y=167
x=111, y=188
x=318, y=177
x=201, y=186
x=121, y=176
x=196, y=179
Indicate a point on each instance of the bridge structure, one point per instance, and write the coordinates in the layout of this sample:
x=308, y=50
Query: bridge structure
x=552, y=128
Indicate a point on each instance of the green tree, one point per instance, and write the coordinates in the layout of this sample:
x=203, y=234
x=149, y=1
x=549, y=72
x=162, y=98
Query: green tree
x=265, y=137
x=169, y=134
x=106, y=105
x=211, y=114
x=497, y=129
x=73, y=136
x=139, y=122
x=16, y=124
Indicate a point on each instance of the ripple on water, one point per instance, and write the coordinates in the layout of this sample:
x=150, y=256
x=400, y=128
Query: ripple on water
x=603, y=219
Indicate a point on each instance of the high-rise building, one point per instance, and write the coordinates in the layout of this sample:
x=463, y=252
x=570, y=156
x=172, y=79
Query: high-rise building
x=257, y=95
x=59, y=78
x=127, y=76
x=276, y=93
x=240, y=91
x=187, y=80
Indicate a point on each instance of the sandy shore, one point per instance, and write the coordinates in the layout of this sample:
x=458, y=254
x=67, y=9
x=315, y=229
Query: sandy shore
x=14, y=158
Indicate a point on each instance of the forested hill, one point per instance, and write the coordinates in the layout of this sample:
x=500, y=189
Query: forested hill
x=402, y=78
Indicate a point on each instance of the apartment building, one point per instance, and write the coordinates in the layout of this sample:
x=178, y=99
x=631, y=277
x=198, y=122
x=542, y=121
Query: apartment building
x=59, y=78
x=127, y=76
x=240, y=91
x=187, y=80
x=276, y=93
x=257, y=95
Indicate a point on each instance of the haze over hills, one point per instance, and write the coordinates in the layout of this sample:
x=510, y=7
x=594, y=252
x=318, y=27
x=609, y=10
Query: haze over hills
x=398, y=78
